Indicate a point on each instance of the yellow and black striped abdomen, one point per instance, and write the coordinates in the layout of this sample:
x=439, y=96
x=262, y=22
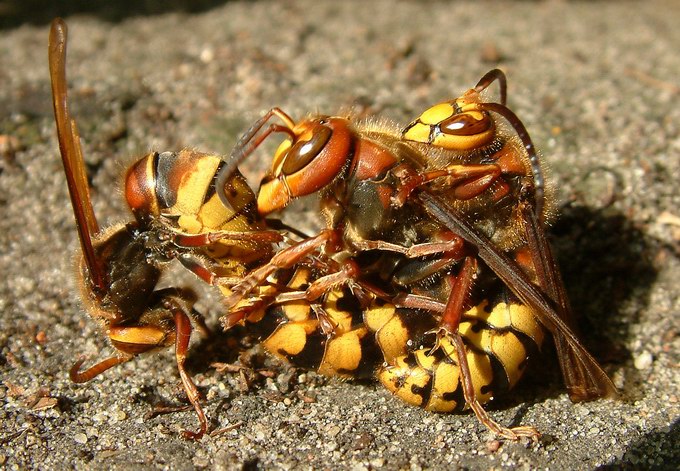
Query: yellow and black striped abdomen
x=499, y=342
x=339, y=337
x=329, y=337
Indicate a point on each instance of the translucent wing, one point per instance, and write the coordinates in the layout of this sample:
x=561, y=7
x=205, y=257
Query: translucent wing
x=71, y=152
x=583, y=376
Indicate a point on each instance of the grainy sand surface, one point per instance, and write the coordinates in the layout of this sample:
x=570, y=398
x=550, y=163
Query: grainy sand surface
x=596, y=83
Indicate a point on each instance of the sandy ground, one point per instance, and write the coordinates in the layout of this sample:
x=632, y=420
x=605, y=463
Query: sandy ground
x=595, y=83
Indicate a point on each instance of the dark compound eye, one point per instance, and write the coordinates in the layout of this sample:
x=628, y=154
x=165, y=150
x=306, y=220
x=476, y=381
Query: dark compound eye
x=465, y=125
x=303, y=152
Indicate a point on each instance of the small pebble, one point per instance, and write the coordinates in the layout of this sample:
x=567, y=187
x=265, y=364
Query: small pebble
x=207, y=55
x=80, y=438
x=644, y=360
x=493, y=446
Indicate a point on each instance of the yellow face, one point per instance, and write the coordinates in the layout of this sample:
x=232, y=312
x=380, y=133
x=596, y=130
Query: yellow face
x=455, y=125
x=307, y=163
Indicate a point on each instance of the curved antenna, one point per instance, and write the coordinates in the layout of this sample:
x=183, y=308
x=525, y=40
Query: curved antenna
x=245, y=146
x=71, y=152
x=489, y=78
x=537, y=173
